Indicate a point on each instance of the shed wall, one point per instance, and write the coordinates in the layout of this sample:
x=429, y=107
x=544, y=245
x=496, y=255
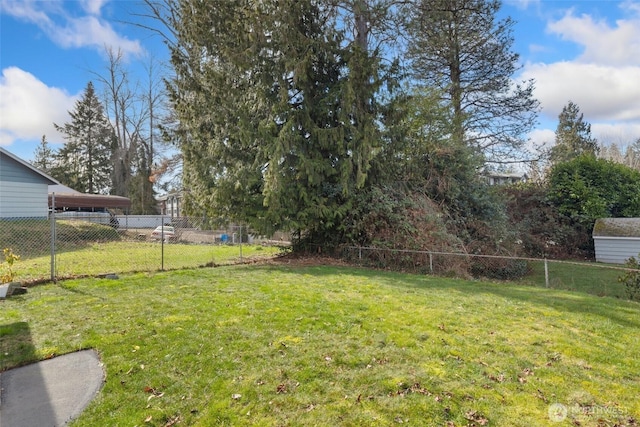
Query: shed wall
x=616, y=250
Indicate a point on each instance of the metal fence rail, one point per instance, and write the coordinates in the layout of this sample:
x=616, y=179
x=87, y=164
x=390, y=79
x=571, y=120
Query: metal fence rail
x=75, y=244
x=594, y=278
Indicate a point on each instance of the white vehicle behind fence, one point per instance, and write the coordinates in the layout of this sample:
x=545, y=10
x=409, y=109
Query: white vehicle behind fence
x=165, y=233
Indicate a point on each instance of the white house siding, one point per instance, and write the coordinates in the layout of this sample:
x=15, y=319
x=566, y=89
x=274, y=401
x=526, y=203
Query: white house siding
x=616, y=250
x=21, y=199
x=23, y=189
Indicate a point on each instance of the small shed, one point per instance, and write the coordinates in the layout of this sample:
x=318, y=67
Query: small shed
x=616, y=239
x=23, y=188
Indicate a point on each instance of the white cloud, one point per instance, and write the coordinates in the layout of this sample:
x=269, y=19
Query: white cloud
x=602, y=79
x=603, y=44
x=91, y=31
x=70, y=31
x=601, y=92
x=26, y=10
x=540, y=137
x=620, y=134
x=538, y=48
x=539, y=140
x=631, y=6
x=93, y=6
x=28, y=107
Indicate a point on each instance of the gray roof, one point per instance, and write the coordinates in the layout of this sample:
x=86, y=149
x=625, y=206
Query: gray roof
x=617, y=227
x=28, y=166
x=62, y=189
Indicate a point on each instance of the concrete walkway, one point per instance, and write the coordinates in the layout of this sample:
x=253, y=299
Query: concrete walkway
x=50, y=393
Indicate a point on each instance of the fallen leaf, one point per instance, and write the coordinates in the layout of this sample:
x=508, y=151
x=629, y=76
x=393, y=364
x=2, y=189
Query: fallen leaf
x=476, y=417
x=148, y=419
x=154, y=395
x=498, y=379
x=540, y=395
x=172, y=421
x=155, y=392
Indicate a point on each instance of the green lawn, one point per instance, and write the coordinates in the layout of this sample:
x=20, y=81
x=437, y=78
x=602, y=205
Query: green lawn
x=595, y=279
x=98, y=258
x=286, y=345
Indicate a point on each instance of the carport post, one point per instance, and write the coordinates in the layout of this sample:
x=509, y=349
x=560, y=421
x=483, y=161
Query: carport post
x=53, y=237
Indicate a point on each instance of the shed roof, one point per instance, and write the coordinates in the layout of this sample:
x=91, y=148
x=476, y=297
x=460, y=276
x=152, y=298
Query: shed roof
x=617, y=227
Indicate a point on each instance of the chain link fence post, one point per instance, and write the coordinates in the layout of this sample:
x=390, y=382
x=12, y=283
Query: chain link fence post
x=240, y=243
x=162, y=243
x=53, y=237
x=546, y=272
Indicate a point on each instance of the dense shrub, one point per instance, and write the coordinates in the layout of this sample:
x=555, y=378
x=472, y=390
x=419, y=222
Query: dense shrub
x=395, y=218
x=542, y=231
x=586, y=188
x=389, y=217
x=631, y=279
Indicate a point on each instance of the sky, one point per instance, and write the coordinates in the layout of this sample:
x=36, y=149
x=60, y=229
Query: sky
x=584, y=51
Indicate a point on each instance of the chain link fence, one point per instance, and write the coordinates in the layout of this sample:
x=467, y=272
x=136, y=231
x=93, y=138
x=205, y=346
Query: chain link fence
x=74, y=244
x=594, y=278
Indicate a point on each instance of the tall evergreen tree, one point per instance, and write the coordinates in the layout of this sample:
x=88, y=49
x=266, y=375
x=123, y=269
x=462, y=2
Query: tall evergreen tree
x=44, y=156
x=84, y=163
x=462, y=49
x=276, y=109
x=573, y=136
